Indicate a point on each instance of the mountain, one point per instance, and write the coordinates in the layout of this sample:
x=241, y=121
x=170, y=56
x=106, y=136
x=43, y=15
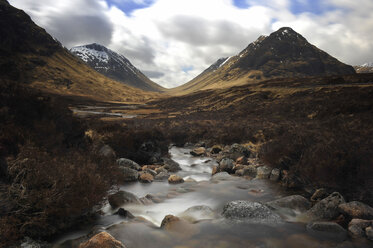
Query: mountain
x=115, y=66
x=364, y=68
x=29, y=55
x=282, y=54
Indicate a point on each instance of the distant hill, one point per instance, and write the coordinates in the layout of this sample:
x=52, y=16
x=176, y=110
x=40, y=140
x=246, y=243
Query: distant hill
x=282, y=54
x=115, y=66
x=364, y=68
x=29, y=55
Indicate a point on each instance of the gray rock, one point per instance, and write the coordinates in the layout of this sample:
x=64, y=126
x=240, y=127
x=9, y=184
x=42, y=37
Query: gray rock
x=125, y=213
x=329, y=229
x=326, y=209
x=296, y=202
x=122, y=197
x=226, y=164
x=150, y=171
x=263, y=172
x=369, y=232
x=198, y=213
x=221, y=176
x=128, y=163
x=253, y=212
x=128, y=174
x=250, y=171
x=171, y=165
x=235, y=151
x=356, y=210
x=356, y=227
x=275, y=174
x=162, y=176
x=107, y=151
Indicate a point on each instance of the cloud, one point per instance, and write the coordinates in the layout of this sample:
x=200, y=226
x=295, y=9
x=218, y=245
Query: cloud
x=173, y=41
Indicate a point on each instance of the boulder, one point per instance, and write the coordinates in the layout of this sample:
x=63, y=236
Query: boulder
x=249, y=170
x=357, y=227
x=122, y=197
x=124, y=213
x=168, y=221
x=275, y=175
x=326, y=209
x=369, y=233
x=150, y=171
x=216, y=149
x=263, y=172
x=253, y=212
x=195, y=213
x=356, y=210
x=241, y=160
x=295, y=202
x=128, y=163
x=128, y=174
x=102, y=240
x=171, y=165
x=226, y=164
x=235, y=151
x=197, y=152
x=107, y=151
x=162, y=176
x=319, y=194
x=146, y=178
x=175, y=179
x=221, y=176
x=328, y=229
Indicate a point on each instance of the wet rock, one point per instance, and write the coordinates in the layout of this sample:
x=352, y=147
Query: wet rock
x=175, y=179
x=221, y=176
x=171, y=165
x=275, y=175
x=161, y=169
x=128, y=163
x=124, y=213
x=168, y=221
x=356, y=210
x=195, y=213
x=238, y=167
x=253, y=212
x=357, y=227
x=328, y=229
x=179, y=227
x=162, y=176
x=319, y=194
x=128, y=174
x=263, y=172
x=250, y=171
x=153, y=198
x=241, y=160
x=197, y=152
x=296, y=202
x=235, y=151
x=369, y=232
x=226, y=164
x=122, y=197
x=214, y=170
x=150, y=171
x=146, y=178
x=326, y=209
x=216, y=149
x=102, y=240
x=107, y=151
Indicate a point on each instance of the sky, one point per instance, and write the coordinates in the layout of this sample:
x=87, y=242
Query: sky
x=172, y=41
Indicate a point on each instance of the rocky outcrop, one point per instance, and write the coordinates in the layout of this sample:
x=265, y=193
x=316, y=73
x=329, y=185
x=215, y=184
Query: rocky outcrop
x=102, y=240
x=122, y=197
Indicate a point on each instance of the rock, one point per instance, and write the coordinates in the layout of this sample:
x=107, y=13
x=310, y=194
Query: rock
x=171, y=165
x=221, y=176
x=329, y=229
x=247, y=211
x=239, y=172
x=150, y=171
x=151, y=167
x=102, y=240
x=146, y=178
x=107, y=151
x=216, y=149
x=326, y=209
x=290, y=181
x=174, y=179
x=153, y=198
x=179, y=227
x=195, y=213
x=356, y=210
x=235, y=151
x=241, y=160
x=263, y=172
x=162, y=176
x=250, y=171
x=214, y=170
x=128, y=174
x=200, y=151
x=296, y=202
x=124, y=213
x=369, y=233
x=168, y=221
x=161, y=169
x=275, y=175
x=356, y=227
x=122, y=197
x=128, y=163
x=226, y=164
x=238, y=167
x=319, y=194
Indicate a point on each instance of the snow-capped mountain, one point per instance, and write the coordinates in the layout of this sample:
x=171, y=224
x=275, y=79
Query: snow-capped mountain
x=114, y=65
x=364, y=68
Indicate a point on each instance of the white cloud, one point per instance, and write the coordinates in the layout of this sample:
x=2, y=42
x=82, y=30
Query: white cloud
x=169, y=36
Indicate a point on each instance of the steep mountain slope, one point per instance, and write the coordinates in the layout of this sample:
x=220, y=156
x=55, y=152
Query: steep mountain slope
x=364, y=68
x=284, y=53
x=29, y=55
x=115, y=66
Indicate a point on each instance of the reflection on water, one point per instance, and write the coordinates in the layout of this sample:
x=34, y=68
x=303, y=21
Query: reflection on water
x=217, y=232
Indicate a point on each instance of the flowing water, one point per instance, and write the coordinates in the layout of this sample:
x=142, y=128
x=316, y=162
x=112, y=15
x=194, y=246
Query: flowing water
x=209, y=229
